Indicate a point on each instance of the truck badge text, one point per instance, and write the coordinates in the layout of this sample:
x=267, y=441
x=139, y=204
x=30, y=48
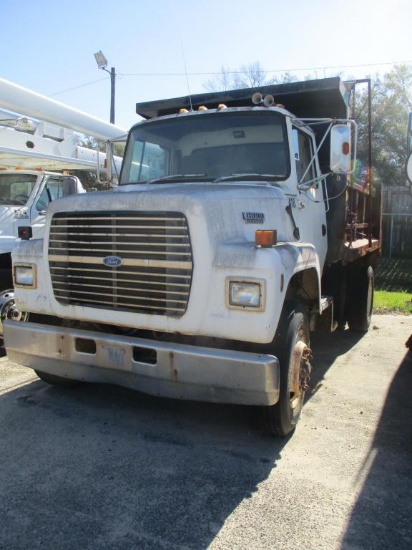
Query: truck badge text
x=253, y=217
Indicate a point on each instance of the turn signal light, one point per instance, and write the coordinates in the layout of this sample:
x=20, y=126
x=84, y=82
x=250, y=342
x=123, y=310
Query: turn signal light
x=265, y=238
x=25, y=233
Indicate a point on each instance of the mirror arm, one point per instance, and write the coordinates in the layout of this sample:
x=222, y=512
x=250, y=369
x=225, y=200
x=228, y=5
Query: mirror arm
x=316, y=153
x=308, y=184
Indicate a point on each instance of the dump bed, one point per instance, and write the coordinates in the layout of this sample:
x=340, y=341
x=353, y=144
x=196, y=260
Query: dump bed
x=326, y=97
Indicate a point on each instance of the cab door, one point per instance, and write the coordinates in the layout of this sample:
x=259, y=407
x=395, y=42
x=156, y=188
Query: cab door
x=308, y=207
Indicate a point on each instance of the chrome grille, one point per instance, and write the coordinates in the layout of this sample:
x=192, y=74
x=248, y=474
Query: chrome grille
x=154, y=251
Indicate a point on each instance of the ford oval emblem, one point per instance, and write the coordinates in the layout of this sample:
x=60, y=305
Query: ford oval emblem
x=112, y=261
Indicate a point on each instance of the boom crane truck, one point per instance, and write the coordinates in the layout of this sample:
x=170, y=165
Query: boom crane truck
x=235, y=231
x=40, y=161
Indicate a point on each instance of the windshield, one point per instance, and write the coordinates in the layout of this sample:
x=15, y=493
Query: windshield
x=215, y=146
x=15, y=189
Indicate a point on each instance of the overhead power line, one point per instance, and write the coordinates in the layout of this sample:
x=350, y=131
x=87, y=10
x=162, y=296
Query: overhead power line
x=185, y=74
x=274, y=71
x=80, y=86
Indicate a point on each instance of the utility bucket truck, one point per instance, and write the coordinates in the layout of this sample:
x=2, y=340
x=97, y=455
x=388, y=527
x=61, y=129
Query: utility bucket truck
x=236, y=229
x=39, y=162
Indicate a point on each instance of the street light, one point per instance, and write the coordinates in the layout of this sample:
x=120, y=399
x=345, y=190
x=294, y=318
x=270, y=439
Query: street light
x=102, y=64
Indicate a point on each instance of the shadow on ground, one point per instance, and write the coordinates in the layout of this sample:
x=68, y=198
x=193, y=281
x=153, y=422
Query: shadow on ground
x=385, y=501
x=102, y=467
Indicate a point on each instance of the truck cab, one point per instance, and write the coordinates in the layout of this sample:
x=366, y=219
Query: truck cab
x=24, y=199
x=234, y=148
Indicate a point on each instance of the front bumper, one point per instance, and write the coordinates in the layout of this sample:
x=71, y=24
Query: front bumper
x=154, y=367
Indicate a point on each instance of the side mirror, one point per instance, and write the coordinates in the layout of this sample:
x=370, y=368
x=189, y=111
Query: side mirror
x=409, y=150
x=409, y=169
x=340, y=149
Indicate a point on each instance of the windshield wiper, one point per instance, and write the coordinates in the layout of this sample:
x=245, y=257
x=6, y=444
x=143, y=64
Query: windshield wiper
x=177, y=177
x=234, y=177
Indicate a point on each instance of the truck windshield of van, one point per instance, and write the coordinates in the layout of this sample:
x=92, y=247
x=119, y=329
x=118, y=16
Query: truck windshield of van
x=15, y=189
x=208, y=146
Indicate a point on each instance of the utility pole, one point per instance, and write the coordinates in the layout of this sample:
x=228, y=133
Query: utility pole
x=102, y=64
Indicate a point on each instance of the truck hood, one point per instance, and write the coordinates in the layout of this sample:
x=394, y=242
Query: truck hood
x=230, y=211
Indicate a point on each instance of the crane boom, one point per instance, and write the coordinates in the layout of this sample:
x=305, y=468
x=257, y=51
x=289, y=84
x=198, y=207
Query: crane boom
x=24, y=101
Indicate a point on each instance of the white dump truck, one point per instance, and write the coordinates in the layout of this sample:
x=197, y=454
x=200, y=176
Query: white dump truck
x=236, y=229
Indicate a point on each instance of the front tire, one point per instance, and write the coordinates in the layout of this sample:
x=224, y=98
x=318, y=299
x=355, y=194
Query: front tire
x=291, y=347
x=54, y=380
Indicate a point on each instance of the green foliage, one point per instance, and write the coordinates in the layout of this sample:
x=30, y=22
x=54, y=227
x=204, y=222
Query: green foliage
x=89, y=178
x=391, y=103
x=93, y=143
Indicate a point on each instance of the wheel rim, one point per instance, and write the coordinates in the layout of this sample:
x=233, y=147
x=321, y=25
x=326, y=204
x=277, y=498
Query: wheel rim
x=299, y=374
x=9, y=310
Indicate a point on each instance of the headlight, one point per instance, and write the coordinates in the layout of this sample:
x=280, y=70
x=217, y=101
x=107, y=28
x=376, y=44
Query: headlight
x=245, y=294
x=24, y=275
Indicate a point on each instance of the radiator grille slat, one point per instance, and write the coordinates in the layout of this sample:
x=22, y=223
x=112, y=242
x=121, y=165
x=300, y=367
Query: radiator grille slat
x=153, y=249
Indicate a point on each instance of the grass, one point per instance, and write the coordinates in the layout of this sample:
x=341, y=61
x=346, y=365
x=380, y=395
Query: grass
x=392, y=302
x=393, y=287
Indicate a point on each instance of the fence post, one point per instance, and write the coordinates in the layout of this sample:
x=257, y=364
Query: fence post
x=391, y=237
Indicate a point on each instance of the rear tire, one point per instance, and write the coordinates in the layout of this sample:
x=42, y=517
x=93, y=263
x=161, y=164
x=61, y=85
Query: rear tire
x=291, y=347
x=359, y=304
x=57, y=380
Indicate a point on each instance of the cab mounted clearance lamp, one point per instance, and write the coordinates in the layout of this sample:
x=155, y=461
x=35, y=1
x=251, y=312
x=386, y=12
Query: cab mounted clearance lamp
x=24, y=276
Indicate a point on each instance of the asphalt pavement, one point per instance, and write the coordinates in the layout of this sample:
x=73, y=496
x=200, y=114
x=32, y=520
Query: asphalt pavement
x=100, y=467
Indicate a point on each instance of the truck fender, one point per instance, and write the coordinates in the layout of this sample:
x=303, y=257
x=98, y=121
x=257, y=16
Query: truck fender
x=302, y=273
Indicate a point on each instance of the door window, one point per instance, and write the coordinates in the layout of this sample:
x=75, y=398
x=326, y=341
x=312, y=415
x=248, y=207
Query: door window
x=303, y=156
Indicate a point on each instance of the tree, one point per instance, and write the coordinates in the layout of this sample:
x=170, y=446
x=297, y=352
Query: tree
x=248, y=76
x=391, y=103
x=93, y=143
x=89, y=177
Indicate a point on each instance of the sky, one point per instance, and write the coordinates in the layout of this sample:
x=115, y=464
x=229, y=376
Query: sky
x=170, y=48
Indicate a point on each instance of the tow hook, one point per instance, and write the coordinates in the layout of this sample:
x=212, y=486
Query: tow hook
x=305, y=369
x=9, y=310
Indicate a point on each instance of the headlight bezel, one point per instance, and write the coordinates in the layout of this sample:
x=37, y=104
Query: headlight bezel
x=246, y=285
